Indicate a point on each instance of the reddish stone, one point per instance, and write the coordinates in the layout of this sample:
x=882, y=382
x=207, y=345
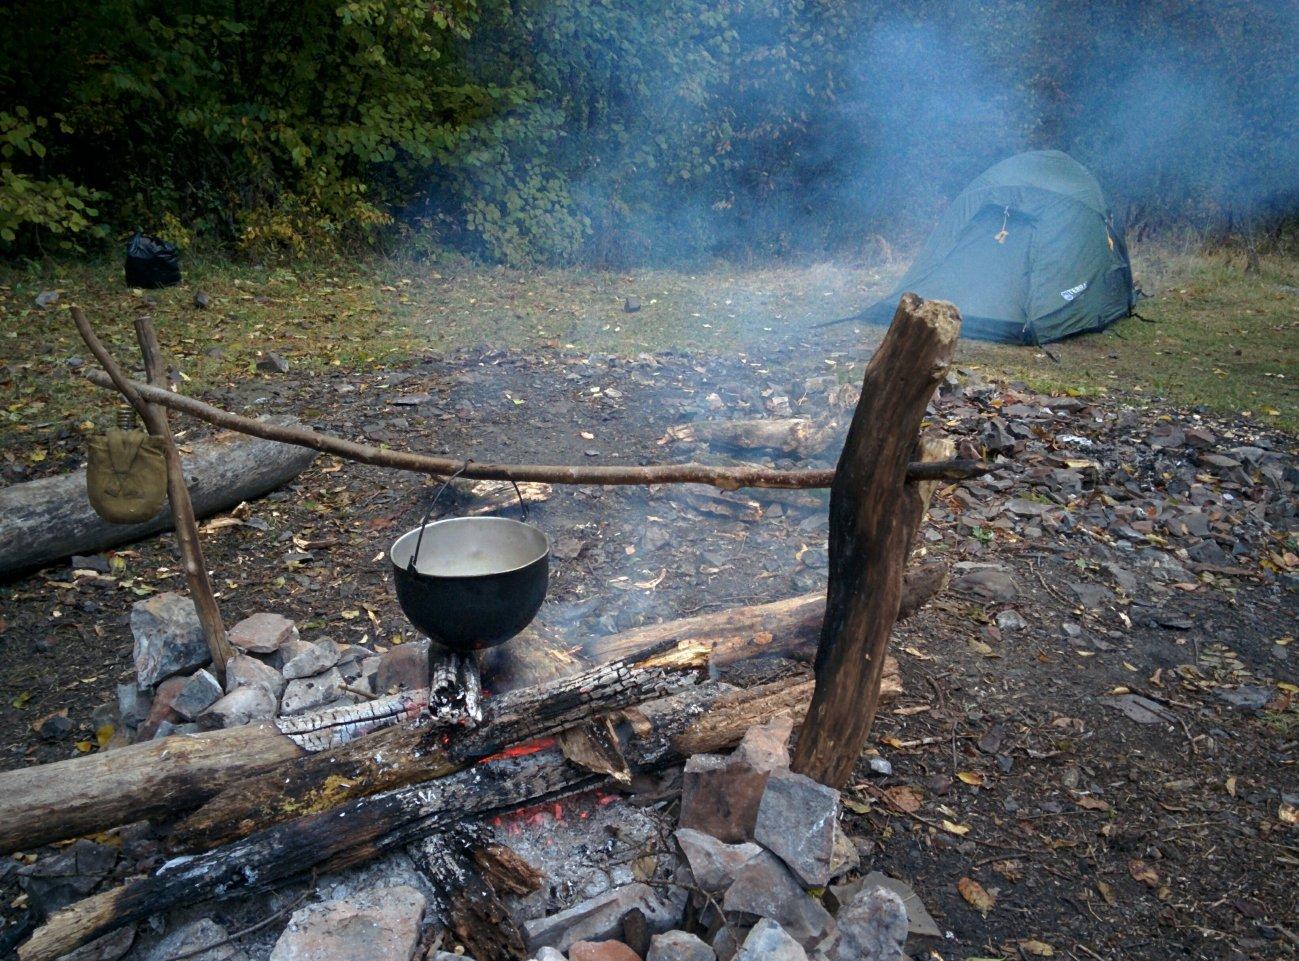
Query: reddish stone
x=161, y=709
x=766, y=746
x=721, y=797
x=601, y=951
x=402, y=668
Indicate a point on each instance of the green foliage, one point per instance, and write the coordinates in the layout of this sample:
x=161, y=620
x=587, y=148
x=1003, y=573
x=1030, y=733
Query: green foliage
x=532, y=130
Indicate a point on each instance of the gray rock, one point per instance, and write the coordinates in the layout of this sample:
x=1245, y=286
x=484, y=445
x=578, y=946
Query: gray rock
x=846, y=858
x=768, y=941
x=168, y=638
x=380, y=924
x=195, y=936
x=727, y=941
x=110, y=947
x=679, y=946
x=881, y=766
x=550, y=954
x=994, y=583
x=873, y=927
x=199, y=693
x=243, y=670
x=765, y=747
x=272, y=363
x=402, y=668
x=262, y=633
x=796, y=822
x=132, y=704
x=920, y=923
x=600, y=918
x=1091, y=596
x=1010, y=620
x=319, y=657
x=58, y=879
x=1247, y=696
x=241, y=706
x=712, y=862
x=308, y=693
x=765, y=888
x=47, y=298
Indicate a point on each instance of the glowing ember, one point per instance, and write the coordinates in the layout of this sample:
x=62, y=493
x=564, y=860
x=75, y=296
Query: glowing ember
x=521, y=750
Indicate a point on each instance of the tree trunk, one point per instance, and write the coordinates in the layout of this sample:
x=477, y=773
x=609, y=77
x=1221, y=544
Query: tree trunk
x=46, y=520
x=873, y=517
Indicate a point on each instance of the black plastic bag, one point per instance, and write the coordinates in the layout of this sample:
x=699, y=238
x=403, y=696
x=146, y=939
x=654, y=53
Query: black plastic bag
x=151, y=263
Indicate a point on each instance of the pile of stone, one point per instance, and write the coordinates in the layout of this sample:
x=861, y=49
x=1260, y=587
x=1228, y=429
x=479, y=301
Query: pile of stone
x=274, y=672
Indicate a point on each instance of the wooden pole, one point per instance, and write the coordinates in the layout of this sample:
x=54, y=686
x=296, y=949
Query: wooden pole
x=725, y=478
x=873, y=516
x=182, y=509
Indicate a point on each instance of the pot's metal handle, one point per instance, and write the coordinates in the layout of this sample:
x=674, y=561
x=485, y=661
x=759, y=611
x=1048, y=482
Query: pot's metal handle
x=410, y=565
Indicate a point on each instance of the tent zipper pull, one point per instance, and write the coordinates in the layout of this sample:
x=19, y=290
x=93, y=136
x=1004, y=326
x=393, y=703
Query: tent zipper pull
x=1003, y=233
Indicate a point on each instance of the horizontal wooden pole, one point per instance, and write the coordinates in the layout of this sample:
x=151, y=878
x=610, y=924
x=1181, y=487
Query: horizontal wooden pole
x=726, y=478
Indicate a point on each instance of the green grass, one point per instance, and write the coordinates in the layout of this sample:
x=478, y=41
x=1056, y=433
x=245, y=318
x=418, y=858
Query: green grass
x=1221, y=339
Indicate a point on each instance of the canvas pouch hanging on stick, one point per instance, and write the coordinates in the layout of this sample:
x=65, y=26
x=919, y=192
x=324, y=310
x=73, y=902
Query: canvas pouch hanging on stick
x=126, y=479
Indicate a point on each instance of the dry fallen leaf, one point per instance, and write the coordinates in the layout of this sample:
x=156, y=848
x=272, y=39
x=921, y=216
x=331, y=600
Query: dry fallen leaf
x=1288, y=813
x=960, y=830
x=1143, y=872
x=1039, y=949
x=972, y=778
x=1010, y=869
x=1107, y=892
x=905, y=799
x=976, y=895
x=1093, y=803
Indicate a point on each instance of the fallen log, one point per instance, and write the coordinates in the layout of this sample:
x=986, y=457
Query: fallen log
x=727, y=478
x=82, y=795
x=407, y=754
x=798, y=436
x=46, y=520
x=372, y=826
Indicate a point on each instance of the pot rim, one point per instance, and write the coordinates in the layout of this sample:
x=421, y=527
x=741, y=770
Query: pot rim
x=414, y=532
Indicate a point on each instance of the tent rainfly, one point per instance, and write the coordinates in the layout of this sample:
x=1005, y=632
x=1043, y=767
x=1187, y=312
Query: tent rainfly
x=1028, y=252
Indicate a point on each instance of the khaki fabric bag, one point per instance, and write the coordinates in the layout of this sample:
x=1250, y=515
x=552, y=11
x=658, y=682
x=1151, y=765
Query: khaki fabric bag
x=127, y=476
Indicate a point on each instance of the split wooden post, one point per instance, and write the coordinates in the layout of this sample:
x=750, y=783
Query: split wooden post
x=182, y=510
x=874, y=514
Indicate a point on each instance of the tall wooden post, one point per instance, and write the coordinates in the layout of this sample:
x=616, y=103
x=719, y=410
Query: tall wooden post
x=874, y=514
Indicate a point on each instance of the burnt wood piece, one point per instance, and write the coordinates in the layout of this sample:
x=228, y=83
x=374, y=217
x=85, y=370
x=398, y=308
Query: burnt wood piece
x=727, y=478
x=465, y=900
x=874, y=514
x=370, y=827
x=408, y=754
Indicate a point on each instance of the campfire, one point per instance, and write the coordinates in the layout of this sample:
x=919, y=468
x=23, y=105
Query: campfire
x=630, y=793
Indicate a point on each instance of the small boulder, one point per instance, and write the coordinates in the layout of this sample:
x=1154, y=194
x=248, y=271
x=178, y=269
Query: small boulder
x=873, y=927
x=198, y=694
x=765, y=747
x=161, y=711
x=993, y=583
x=765, y=888
x=679, y=946
x=768, y=941
x=243, y=670
x=720, y=796
x=550, y=954
x=381, y=924
x=318, y=657
x=402, y=668
x=272, y=363
x=168, y=638
x=109, y=947
x=58, y=879
x=600, y=918
x=796, y=822
x=243, y=705
x=714, y=863
x=194, y=937
x=132, y=705
x=308, y=693
x=262, y=633
x=601, y=951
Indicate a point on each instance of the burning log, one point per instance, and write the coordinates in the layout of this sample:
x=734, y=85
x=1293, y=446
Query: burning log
x=372, y=826
x=874, y=514
x=410, y=754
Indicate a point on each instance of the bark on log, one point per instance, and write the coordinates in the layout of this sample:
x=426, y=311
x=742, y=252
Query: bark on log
x=727, y=478
x=372, y=826
x=44, y=521
x=86, y=794
x=873, y=517
x=411, y=753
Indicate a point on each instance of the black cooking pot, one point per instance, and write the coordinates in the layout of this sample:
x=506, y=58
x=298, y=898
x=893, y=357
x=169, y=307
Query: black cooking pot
x=471, y=582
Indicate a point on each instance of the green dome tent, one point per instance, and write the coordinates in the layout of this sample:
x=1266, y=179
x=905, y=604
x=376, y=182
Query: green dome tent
x=1027, y=252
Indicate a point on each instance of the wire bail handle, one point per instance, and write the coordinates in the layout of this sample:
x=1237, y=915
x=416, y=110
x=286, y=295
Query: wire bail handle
x=523, y=507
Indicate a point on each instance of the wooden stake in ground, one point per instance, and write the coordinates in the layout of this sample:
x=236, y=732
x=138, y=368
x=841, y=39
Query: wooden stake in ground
x=873, y=517
x=155, y=419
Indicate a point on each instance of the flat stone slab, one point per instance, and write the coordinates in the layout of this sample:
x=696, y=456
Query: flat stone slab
x=168, y=638
x=262, y=633
x=381, y=924
x=796, y=822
